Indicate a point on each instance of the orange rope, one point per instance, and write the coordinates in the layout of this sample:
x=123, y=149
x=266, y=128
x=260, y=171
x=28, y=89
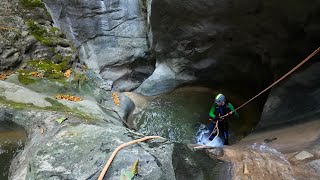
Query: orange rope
x=284, y=76
x=114, y=153
x=273, y=84
x=215, y=127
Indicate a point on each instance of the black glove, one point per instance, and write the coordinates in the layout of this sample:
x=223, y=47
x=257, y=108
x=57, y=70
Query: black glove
x=217, y=118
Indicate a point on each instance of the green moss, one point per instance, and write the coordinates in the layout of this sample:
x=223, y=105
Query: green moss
x=31, y=3
x=79, y=78
x=65, y=64
x=144, y=3
x=15, y=105
x=54, y=29
x=48, y=68
x=40, y=33
x=25, y=78
x=57, y=58
x=56, y=106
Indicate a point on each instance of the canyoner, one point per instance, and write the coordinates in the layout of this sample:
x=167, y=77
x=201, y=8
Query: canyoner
x=221, y=110
x=217, y=134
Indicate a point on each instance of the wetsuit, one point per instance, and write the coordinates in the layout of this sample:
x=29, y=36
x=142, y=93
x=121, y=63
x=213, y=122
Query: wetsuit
x=216, y=112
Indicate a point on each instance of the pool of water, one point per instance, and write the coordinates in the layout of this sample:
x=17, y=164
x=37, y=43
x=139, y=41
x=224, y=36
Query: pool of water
x=178, y=115
x=196, y=165
x=12, y=139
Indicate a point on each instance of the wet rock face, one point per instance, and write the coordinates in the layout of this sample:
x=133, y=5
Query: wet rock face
x=296, y=99
x=235, y=41
x=109, y=34
x=207, y=42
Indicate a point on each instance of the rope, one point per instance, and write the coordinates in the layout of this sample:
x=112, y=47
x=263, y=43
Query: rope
x=284, y=76
x=273, y=84
x=215, y=127
x=114, y=153
x=213, y=130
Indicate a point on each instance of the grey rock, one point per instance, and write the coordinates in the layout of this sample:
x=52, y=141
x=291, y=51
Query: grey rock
x=215, y=153
x=20, y=94
x=107, y=85
x=162, y=80
x=80, y=151
x=90, y=146
x=295, y=99
x=303, y=155
x=108, y=33
x=315, y=164
x=16, y=41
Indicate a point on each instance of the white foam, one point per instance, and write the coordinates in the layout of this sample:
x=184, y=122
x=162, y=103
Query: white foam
x=202, y=137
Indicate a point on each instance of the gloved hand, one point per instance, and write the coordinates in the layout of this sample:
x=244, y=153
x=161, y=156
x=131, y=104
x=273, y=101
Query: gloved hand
x=217, y=118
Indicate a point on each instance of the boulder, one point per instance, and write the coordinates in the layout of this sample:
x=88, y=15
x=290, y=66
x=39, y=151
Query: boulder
x=80, y=152
x=107, y=33
x=303, y=155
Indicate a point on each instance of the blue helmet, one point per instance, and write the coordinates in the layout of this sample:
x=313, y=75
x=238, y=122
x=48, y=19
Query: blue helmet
x=220, y=99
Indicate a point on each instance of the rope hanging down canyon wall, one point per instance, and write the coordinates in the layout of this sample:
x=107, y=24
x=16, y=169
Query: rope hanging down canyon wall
x=283, y=77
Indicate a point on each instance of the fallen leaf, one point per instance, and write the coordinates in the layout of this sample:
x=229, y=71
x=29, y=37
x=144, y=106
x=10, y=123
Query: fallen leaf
x=116, y=98
x=37, y=74
x=68, y=97
x=60, y=120
x=41, y=131
x=129, y=174
x=67, y=74
x=3, y=76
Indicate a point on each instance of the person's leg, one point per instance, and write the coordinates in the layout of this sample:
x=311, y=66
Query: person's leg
x=211, y=127
x=223, y=131
x=226, y=133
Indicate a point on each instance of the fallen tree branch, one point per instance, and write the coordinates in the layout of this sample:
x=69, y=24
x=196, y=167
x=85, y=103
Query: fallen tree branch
x=106, y=167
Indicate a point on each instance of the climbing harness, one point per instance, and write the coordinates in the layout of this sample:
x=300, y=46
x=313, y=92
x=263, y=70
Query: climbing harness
x=273, y=84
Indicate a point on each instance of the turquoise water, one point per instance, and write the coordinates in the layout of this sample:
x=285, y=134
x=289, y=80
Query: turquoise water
x=178, y=115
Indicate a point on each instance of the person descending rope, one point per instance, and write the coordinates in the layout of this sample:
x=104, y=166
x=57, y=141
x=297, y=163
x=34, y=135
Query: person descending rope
x=219, y=109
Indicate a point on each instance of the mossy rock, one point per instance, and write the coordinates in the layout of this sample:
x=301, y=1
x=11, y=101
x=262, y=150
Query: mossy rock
x=25, y=78
x=47, y=68
x=31, y=3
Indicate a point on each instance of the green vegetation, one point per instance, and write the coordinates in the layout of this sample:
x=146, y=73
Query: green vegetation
x=144, y=3
x=44, y=69
x=15, y=105
x=79, y=78
x=31, y=3
x=56, y=106
x=40, y=33
x=25, y=78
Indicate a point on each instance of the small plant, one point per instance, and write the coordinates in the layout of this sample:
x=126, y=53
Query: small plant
x=79, y=78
